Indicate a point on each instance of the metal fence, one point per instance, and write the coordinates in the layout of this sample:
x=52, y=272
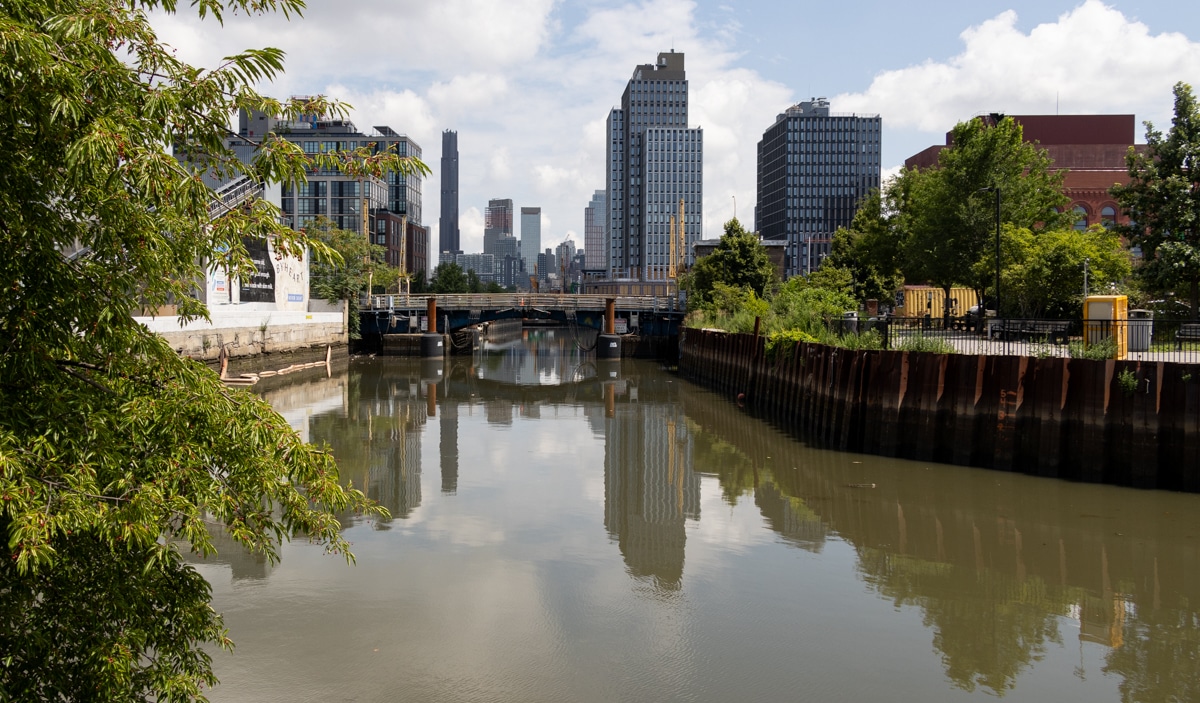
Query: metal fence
x=1135, y=339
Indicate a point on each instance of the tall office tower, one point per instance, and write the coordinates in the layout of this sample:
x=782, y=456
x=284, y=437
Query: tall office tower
x=531, y=235
x=564, y=252
x=497, y=222
x=654, y=162
x=448, y=234
x=595, y=232
x=813, y=169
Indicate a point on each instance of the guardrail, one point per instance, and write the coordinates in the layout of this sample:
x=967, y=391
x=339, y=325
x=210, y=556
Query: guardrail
x=504, y=301
x=1162, y=339
x=232, y=194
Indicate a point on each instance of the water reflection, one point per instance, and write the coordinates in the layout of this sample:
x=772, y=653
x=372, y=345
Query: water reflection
x=649, y=487
x=997, y=563
x=1006, y=571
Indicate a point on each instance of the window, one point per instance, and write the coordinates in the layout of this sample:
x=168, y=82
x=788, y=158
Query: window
x=1081, y=217
x=1108, y=216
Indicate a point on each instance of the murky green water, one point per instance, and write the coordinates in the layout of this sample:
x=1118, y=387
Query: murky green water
x=565, y=530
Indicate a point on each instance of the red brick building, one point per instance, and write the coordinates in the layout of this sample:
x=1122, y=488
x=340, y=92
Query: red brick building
x=1091, y=148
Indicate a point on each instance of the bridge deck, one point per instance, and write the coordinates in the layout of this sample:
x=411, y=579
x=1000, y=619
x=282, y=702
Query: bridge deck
x=534, y=301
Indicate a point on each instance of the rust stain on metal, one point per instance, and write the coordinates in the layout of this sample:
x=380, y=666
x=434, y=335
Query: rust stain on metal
x=1158, y=385
x=979, y=377
x=942, y=376
x=1066, y=382
x=903, y=379
x=1110, y=366
x=1021, y=370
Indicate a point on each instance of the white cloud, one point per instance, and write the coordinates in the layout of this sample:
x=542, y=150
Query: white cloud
x=1093, y=59
x=470, y=229
x=375, y=38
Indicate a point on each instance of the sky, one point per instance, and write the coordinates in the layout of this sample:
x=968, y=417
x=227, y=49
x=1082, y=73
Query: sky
x=528, y=84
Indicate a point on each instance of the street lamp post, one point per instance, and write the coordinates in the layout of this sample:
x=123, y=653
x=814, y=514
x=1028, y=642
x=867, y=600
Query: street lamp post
x=996, y=190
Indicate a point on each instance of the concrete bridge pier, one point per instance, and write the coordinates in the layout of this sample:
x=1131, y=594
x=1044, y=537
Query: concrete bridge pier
x=432, y=344
x=608, y=346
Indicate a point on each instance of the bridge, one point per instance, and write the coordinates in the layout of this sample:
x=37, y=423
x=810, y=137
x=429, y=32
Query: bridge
x=646, y=315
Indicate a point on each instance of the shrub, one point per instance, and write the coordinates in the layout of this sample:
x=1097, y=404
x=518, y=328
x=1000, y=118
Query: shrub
x=1097, y=351
x=921, y=343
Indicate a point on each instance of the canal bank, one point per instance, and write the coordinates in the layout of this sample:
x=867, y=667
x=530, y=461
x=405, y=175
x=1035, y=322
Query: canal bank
x=1128, y=423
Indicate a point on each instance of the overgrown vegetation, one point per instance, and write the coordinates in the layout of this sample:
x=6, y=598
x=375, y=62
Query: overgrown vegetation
x=115, y=452
x=1099, y=350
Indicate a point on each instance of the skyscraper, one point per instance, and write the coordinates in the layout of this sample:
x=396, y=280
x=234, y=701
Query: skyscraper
x=531, y=235
x=813, y=169
x=448, y=234
x=595, y=232
x=654, y=162
x=497, y=222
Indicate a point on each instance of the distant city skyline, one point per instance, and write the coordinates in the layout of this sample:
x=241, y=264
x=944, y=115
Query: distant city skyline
x=527, y=85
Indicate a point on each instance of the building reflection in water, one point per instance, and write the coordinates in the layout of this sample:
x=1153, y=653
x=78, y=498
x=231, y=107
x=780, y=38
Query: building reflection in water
x=1001, y=566
x=377, y=433
x=649, y=488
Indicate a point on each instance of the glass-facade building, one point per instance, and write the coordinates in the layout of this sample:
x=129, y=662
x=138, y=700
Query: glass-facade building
x=330, y=193
x=814, y=167
x=655, y=171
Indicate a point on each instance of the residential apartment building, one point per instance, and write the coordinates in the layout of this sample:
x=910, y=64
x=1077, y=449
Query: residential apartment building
x=814, y=167
x=497, y=223
x=388, y=208
x=345, y=200
x=655, y=173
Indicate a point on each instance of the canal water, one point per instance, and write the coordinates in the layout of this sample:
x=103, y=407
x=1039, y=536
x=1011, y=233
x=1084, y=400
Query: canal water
x=571, y=530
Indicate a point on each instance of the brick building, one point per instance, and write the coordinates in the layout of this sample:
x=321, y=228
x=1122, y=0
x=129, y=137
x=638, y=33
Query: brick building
x=1091, y=148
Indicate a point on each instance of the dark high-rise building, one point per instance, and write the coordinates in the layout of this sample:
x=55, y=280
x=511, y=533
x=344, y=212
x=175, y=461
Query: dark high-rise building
x=448, y=233
x=813, y=169
x=654, y=162
x=497, y=222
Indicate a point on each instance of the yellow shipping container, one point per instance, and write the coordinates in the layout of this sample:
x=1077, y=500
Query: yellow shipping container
x=919, y=301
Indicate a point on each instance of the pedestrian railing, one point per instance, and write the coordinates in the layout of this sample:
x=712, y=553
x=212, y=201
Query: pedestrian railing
x=1137, y=339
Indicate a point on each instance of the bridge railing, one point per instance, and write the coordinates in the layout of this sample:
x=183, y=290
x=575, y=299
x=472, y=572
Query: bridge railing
x=533, y=301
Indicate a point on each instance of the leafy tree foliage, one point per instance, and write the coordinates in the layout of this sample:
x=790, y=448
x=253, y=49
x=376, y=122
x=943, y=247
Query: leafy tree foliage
x=871, y=248
x=449, y=278
x=739, y=260
x=950, y=224
x=358, y=263
x=1043, y=272
x=114, y=452
x=1162, y=199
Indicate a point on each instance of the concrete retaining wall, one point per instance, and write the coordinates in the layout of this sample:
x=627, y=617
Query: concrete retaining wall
x=1120, y=422
x=250, y=332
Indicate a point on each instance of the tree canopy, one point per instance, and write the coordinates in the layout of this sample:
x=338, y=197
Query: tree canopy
x=358, y=264
x=1043, y=273
x=1162, y=200
x=948, y=213
x=115, y=453
x=739, y=260
x=870, y=249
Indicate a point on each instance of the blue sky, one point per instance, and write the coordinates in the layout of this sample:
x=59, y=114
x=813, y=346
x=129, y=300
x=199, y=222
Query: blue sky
x=528, y=83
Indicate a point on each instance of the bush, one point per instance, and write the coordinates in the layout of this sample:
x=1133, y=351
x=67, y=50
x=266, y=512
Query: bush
x=780, y=344
x=1098, y=351
x=921, y=343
